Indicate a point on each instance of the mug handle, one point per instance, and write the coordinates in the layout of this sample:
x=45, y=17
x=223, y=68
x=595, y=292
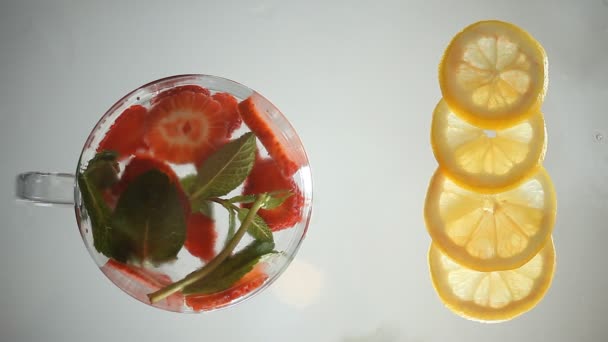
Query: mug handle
x=45, y=188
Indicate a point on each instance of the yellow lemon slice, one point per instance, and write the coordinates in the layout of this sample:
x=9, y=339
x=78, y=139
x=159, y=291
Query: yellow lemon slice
x=482, y=160
x=492, y=296
x=493, y=74
x=490, y=232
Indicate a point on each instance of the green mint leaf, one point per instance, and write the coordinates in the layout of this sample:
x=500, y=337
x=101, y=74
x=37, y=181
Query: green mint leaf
x=99, y=215
x=188, y=183
x=105, y=155
x=231, y=270
x=226, y=169
x=101, y=172
x=198, y=205
x=243, y=199
x=149, y=216
x=276, y=199
x=258, y=229
x=231, y=225
x=203, y=207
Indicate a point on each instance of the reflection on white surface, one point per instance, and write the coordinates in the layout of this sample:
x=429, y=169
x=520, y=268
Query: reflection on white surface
x=300, y=285
x=381, y=334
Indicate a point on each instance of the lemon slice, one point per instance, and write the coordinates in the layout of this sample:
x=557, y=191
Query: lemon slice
x=482, y=160
x=490, y=232
x=492, y=296
x=493, y=74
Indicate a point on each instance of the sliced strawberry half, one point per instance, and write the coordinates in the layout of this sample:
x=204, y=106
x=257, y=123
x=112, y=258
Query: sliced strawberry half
x=142, y=163
x=230, y=110
x=250, y=282
x=201, y=237
x=288, y=157
x=138, y=282
x=126, y=135
x=170, y=92
x=185, y=127
x=266, y=177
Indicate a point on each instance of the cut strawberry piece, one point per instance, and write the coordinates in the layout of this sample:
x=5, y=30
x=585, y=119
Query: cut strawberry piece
x=288, y=158
x=266, y=177
x=185, y=127
x=191, y=87
x=230, y=110
x=142, y=163
x=250, y=282
x=138, y=282
x=126, y=134
x=201, y=237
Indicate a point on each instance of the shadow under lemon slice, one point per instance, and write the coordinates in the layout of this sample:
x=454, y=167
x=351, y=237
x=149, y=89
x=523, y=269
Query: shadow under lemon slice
x=492, y=296
x=483, y=160
x=494, y=74
x=490, y=232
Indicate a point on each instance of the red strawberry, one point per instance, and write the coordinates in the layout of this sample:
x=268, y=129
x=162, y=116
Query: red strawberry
x=231, y=111
x=185, y=127
x=126, y=134
x=266, y=177
x=201, y=236
x=142, y=163
x=191, y=87
x=286, y=156
x=138, y=282
x=250, y=282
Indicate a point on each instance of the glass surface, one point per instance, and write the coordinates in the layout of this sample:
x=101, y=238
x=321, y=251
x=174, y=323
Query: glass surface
x=287, y=241
x=359, y=82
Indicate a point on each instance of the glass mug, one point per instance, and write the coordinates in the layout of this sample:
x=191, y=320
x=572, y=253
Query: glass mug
x=143, y=279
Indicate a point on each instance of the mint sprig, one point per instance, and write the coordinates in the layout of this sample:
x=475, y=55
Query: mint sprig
x=148, y=224
x=102, y=170
x=150, y=217
x=226, y=169
x=231, y=270
x=259, y=230
x=231, y=225
x=275, y=200
x=200, y=274
x=101, y=173
x=197, y=205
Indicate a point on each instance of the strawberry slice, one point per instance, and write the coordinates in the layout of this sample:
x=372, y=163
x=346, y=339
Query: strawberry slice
x=185, y=127
x=201, y=236
x=138, y=282
x=230, y=110
x=287, y=156
x=190, y=87
x=125, y=136
x=266, y=177
x=142, y=163
x=138, y=165
x=250, y=282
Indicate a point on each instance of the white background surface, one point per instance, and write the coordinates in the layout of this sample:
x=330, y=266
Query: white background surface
x=358, y=81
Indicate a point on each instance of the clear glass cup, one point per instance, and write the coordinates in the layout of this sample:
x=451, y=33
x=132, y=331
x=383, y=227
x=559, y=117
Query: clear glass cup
x=62, y=189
